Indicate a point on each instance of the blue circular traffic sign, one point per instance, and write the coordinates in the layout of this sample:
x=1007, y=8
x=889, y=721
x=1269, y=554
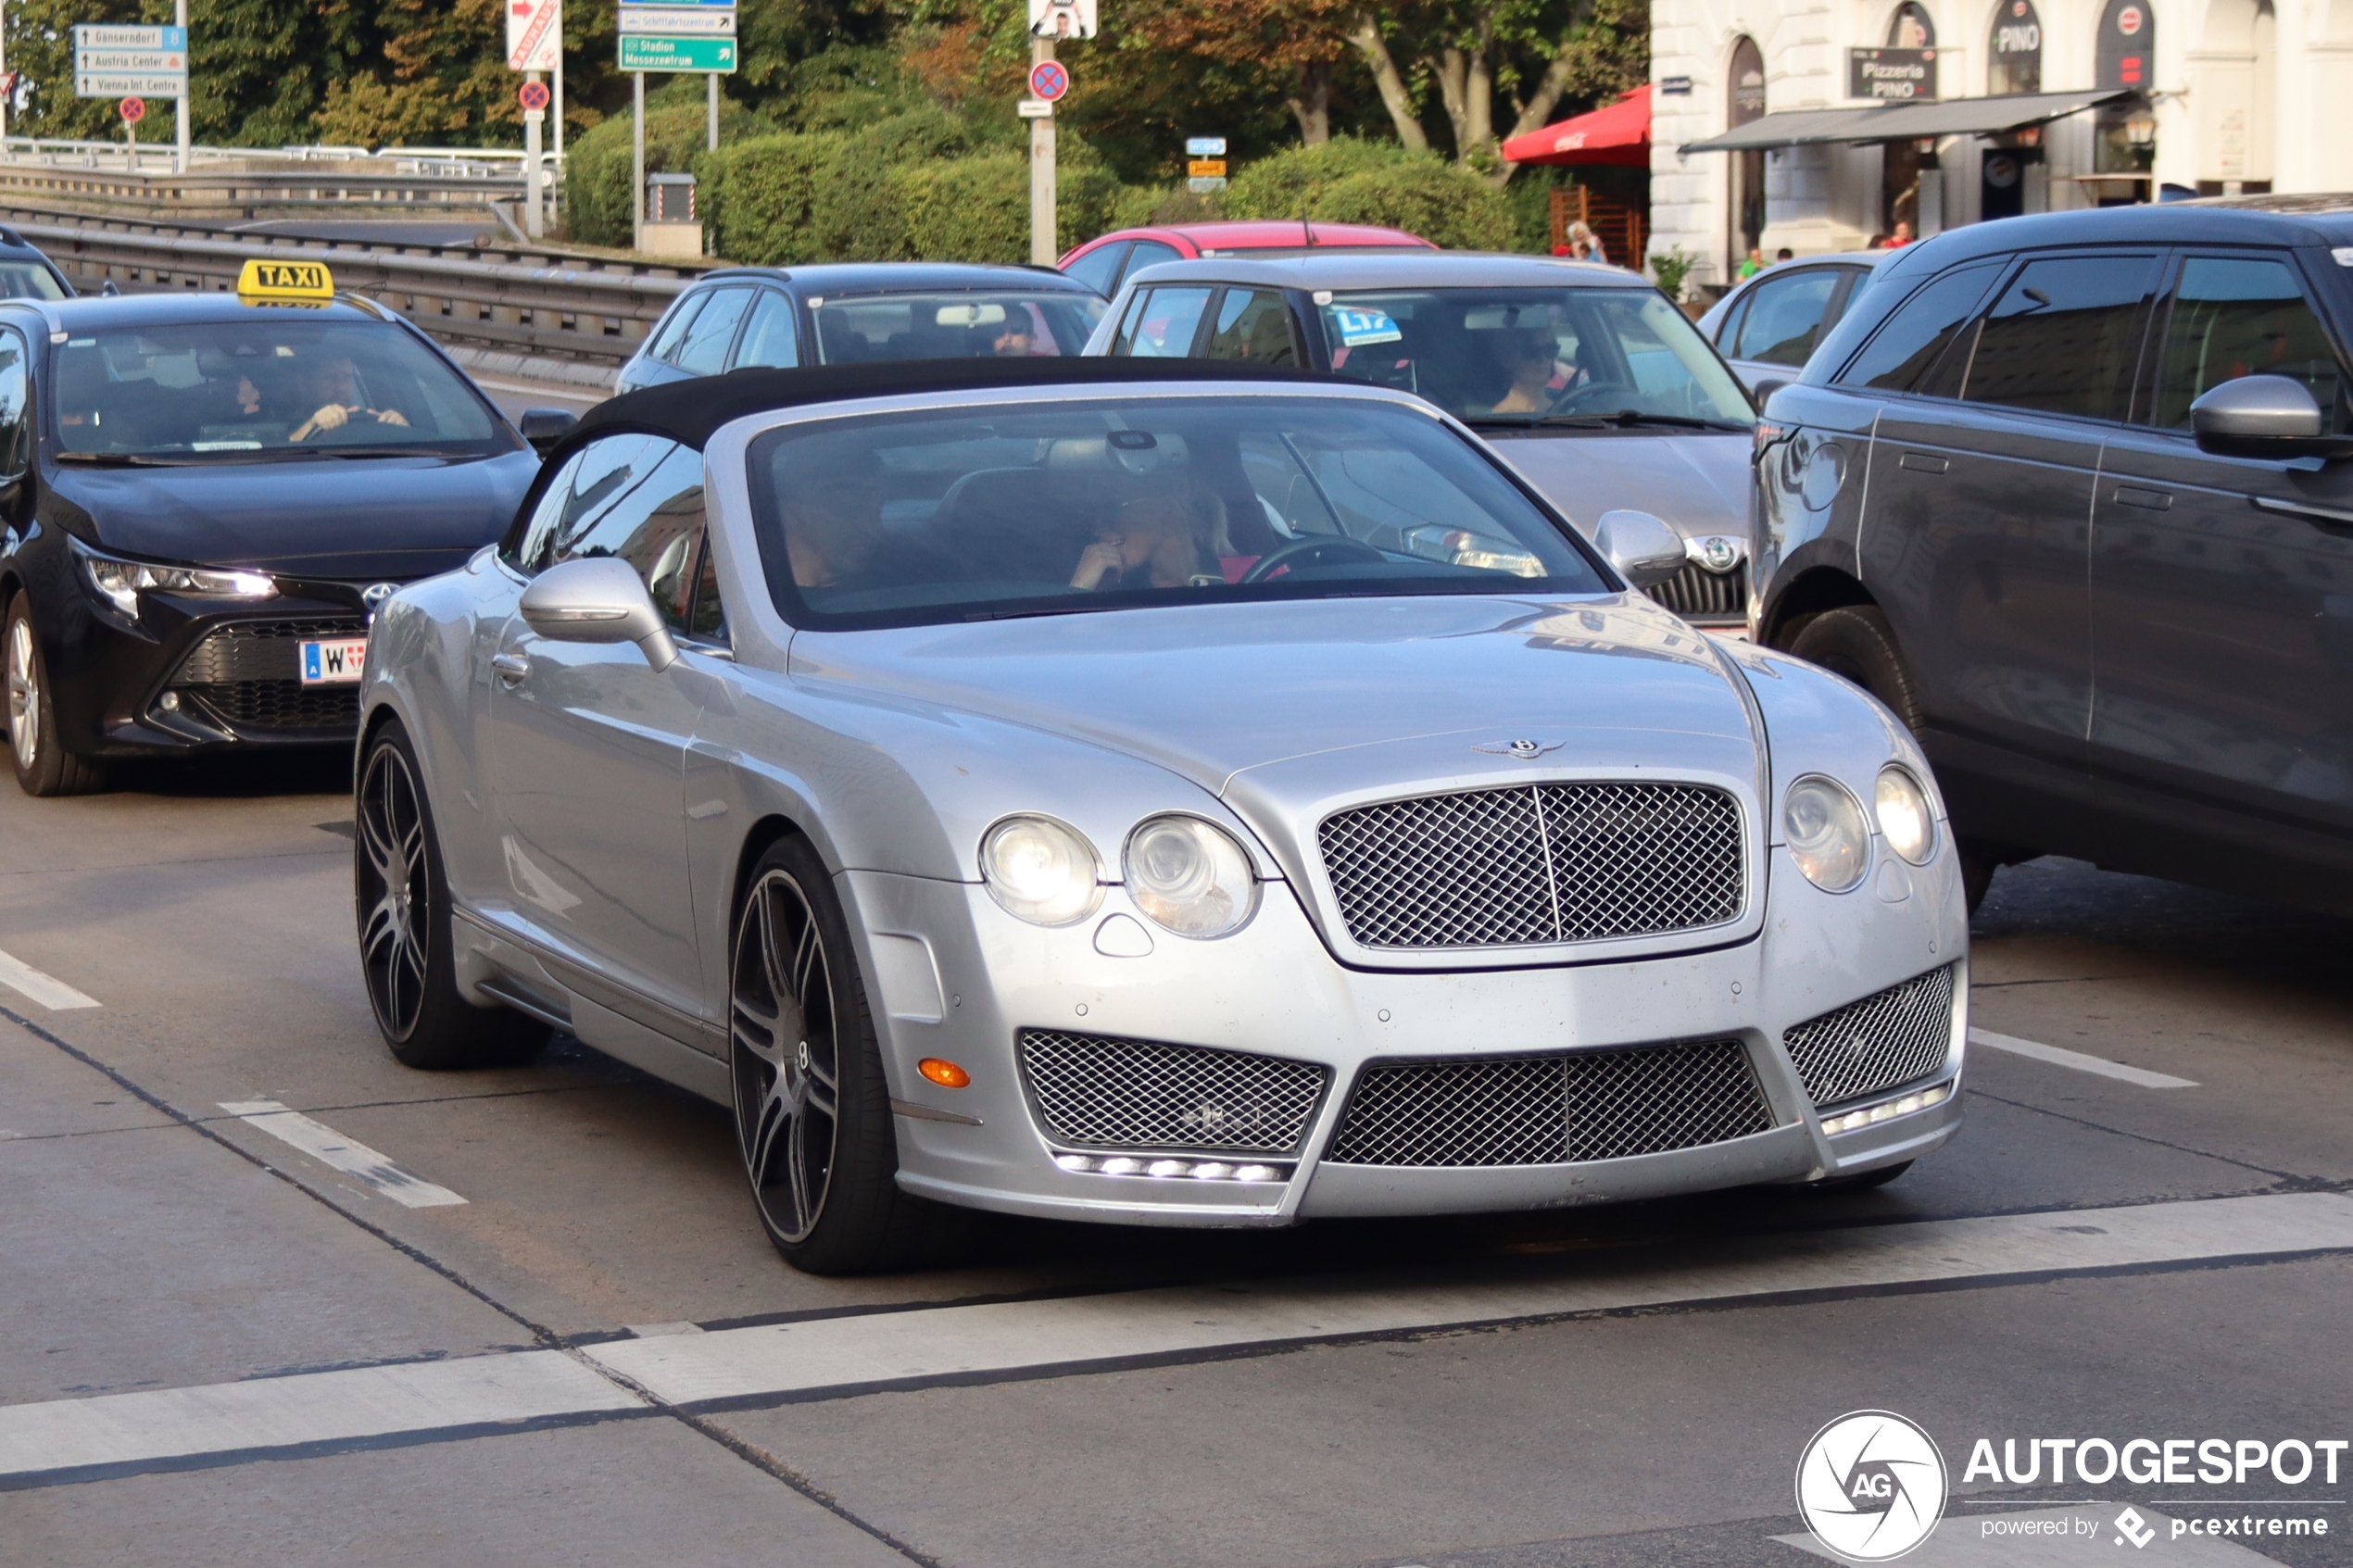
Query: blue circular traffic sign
x=1048, y=80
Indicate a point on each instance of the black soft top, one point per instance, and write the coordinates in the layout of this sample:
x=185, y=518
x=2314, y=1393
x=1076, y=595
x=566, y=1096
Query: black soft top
x=689, y=411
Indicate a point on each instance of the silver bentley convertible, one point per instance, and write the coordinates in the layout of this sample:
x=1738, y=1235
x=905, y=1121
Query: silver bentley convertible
x=1151, y=793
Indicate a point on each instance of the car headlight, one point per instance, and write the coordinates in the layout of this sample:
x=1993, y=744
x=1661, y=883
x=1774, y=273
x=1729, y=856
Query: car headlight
x=1905, y=819
x=1826, y=833
x=1189, y=876
x=120, y=582
x=1041, y=871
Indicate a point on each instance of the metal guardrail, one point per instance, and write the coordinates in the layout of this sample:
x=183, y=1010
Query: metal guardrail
x=545, y=303
x=60, y=152
x=251, y=192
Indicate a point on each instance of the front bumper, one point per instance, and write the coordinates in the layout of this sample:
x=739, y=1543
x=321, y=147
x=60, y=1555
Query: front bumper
x=194, y=674
x=954, y=977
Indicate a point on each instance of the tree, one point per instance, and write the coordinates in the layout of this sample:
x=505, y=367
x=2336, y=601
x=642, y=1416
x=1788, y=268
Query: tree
x=1302, y=39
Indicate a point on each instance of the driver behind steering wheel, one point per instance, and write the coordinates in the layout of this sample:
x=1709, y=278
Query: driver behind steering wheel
x=1527, y=360
x=331, y=387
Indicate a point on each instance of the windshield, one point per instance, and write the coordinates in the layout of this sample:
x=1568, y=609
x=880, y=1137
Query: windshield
x=223, y=391
x=859, y=329
x=1052, y=507
x=28, y=280
x=1518, y=355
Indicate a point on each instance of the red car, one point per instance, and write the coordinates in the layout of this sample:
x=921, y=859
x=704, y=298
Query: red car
x=1101, y=262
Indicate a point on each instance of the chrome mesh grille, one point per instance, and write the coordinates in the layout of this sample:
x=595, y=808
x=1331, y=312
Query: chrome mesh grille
x=1551, y=1110
x=1540, y=864
x=1698, y=594
x=1094, y=1091
x=1883, y=1041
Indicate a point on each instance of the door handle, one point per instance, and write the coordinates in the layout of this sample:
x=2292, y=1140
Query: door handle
x=2153, y=500
x=1923, y=462
x=511, y=666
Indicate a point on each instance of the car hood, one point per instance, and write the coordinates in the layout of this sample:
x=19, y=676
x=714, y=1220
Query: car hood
x=388, y=517
x=1699, y=482
x=1407, y=688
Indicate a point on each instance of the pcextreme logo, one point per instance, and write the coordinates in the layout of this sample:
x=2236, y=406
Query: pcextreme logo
x=1871, y=1485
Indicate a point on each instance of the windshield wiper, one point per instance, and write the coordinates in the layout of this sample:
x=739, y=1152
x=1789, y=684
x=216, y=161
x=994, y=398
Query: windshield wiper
x=120, y=460
x=1624, y=419
x=382, y=452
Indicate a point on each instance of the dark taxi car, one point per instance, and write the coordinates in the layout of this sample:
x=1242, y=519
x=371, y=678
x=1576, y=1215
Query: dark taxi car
x=859, y=313
x=201, y=501
x=2070, y=493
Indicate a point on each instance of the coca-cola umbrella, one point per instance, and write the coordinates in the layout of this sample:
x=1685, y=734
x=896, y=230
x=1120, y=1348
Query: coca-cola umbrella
x=1620, y=134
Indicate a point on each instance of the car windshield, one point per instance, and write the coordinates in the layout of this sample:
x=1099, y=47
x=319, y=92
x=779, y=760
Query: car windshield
x=861, y=328
x=1525, y=355
x=28, y=280
x=1106, y=504
x=227, y=391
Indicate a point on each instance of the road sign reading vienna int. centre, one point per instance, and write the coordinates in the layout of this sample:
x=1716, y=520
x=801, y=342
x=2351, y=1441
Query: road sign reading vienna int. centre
x=120, y=62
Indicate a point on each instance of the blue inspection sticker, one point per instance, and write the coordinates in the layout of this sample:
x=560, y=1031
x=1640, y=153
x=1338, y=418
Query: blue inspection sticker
x=1358, y=328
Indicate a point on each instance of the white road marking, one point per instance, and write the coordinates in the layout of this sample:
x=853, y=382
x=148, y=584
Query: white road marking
x=277, y=1412
x=850, y=1353
x=49, y=991
x=2059, y=1056
x=949, y=1341
x=349, y=1155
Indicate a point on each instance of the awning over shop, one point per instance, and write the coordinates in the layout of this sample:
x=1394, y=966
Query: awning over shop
x=1899, y=122
x=1620, y=134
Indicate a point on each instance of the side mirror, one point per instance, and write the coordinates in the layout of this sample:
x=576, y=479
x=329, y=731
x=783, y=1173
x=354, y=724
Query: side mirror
x=544, y=427
x=1765, y=387
x=597, y=599
x=2264, y=416
x=1645, y=551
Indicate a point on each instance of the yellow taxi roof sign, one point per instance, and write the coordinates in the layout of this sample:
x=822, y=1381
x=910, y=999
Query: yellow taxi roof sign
x=287, y=282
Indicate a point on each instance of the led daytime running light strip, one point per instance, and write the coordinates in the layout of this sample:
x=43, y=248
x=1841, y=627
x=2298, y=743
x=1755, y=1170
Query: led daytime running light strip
x=1887, y=1111
x=1167, y=1169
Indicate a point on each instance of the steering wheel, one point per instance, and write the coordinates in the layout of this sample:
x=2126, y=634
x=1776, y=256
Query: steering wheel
x=1315, y=547
x=1582, y=400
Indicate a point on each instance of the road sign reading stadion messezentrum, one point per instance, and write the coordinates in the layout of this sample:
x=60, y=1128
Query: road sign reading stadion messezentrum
x=678, y=35
x=130, y=62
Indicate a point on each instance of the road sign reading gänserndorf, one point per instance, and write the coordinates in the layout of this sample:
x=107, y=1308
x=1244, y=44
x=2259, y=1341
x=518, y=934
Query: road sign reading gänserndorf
x=130, y=62
x=678, y=35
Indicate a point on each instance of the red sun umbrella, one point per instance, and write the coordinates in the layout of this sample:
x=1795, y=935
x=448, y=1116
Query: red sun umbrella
x=1620, y=134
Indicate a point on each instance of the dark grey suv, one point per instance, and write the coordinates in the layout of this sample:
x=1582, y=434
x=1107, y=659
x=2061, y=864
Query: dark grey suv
x=2070, y=495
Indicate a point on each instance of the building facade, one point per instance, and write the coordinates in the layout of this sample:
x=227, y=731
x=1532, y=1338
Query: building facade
x=2234, y=97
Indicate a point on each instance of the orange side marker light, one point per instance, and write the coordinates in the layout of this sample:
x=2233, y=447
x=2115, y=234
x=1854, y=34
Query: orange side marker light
x=946, y=1075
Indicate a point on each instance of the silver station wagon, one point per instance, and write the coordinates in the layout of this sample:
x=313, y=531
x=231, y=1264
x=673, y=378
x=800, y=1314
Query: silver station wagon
x=1157, y=794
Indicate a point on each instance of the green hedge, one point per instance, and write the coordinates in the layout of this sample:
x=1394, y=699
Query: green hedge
x=913, y=197
x=597, y=202
x=1350, y=180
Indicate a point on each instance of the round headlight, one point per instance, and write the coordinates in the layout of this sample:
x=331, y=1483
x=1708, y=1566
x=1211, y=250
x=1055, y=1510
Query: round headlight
x=1189, y=876
x=1041, y=871
x=1828, y=837
x=1905, y=819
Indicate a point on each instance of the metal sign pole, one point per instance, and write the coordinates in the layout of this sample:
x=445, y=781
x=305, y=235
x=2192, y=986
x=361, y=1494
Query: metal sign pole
x=713, y=79
x=534, y=222
x=637, y=161
x=4, y=93
x=179, y=21
x=1042, y=249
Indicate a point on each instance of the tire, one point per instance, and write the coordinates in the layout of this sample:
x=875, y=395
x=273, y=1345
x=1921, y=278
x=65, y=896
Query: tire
x=401, y=897
x=812, y=1108
x=43, y=766
x=1855, y=641
x=1862, y=1181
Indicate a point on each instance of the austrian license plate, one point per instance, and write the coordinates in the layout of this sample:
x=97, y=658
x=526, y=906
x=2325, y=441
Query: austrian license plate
x=334, y=663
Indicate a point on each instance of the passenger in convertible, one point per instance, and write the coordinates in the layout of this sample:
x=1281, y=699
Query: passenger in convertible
x=1170, y=541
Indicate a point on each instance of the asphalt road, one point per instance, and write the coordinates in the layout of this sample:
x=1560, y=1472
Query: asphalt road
x=233, y=1337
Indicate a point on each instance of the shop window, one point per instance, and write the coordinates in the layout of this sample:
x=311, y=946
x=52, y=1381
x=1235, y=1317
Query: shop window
x=2015, y=49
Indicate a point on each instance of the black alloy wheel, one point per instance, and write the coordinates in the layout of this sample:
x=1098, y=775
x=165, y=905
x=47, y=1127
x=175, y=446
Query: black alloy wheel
x=813, y=1111
x=43, y=766
x=406, y=954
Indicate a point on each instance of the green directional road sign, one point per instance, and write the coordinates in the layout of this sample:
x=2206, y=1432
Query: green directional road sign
x=640, y=52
